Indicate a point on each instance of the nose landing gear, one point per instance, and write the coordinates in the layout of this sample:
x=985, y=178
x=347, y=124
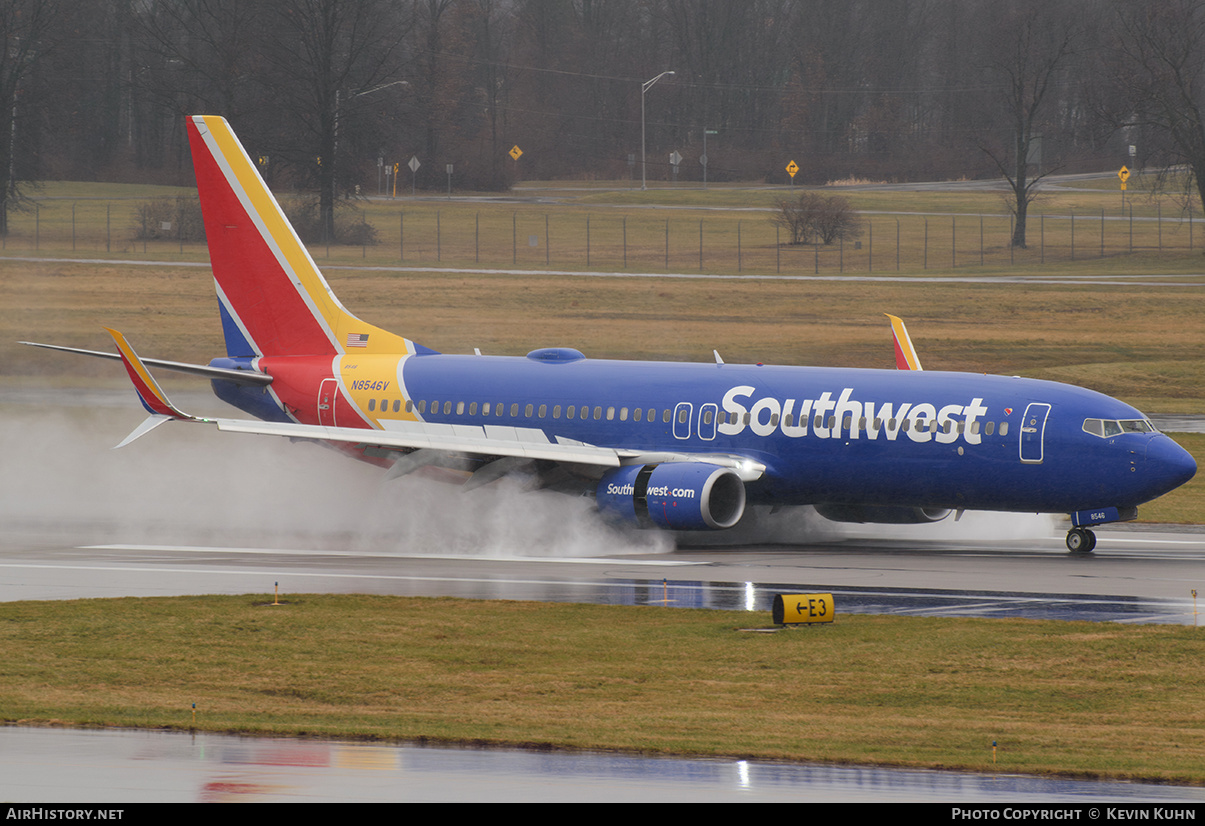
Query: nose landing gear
x=1080, y=541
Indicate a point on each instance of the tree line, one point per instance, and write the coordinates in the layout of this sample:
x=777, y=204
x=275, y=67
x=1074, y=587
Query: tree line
x=331, y=93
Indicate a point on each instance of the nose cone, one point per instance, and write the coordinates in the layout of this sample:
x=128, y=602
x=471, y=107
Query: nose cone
x=1167, y=465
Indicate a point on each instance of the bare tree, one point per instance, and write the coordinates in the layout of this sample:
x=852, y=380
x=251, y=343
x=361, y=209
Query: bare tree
x=329, y=55
x=1159, y=82
x=24, y=28
x=1034, y=42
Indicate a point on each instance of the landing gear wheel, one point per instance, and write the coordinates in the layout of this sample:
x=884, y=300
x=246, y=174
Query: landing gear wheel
x=1080, y=541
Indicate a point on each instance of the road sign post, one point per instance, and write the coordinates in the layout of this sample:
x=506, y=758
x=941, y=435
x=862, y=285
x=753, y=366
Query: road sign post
x=414, y=165
x=515, y=153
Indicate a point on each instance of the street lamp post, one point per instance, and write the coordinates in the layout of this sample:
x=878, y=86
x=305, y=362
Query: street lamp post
x=644, y=87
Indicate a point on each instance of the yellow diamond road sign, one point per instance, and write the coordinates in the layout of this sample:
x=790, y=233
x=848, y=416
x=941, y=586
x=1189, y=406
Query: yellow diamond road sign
x=792, y=168
x=515, y=152
x=1124, y=174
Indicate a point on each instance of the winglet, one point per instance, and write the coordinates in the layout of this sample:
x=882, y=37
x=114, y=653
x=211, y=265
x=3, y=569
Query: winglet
x=905, y=353
x=149, y=393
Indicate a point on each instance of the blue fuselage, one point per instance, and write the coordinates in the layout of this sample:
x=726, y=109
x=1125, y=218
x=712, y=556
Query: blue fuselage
x=825, y=435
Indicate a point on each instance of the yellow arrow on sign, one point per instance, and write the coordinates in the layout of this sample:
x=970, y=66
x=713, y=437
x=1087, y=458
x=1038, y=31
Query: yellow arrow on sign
x=792, y=168
x=515, y=152
x=1124, y=174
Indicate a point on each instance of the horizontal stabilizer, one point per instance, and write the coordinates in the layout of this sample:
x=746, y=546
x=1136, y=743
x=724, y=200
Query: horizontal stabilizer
x=202, y=370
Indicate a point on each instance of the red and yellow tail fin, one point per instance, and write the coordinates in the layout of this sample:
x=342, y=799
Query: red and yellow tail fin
x=274, y=300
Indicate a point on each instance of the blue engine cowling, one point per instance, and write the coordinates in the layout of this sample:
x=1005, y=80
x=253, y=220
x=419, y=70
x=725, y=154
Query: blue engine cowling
x=680, y=496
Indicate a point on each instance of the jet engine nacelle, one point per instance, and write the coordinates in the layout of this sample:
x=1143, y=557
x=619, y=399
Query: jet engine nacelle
x=881, y=514
x=680, y=496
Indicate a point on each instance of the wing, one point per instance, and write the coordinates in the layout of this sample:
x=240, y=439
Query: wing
x=489, y=452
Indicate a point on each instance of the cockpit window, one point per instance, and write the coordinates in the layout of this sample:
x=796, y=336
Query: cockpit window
x=1107, y=428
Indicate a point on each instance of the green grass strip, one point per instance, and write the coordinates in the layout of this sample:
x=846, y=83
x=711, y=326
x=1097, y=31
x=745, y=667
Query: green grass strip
x=1075, y=699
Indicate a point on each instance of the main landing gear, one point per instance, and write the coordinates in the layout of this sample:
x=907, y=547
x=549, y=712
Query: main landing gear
x=1080, y=541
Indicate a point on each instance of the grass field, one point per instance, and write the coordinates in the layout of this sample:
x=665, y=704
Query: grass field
x=723, y=230
x=1072, y=699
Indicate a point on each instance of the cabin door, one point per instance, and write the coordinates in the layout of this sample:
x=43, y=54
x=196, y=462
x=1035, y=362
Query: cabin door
x=682, y=423
x=327, y=394
x=1033, y=431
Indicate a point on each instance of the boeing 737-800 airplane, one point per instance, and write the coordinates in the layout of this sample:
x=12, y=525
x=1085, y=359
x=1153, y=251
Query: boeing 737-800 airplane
x=677, y=446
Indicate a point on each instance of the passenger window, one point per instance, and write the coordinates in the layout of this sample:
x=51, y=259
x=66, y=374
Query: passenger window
x=485, y=408
x=498, y=409
x=1003, y=428
x=665, y=416
x=682, y=416
x=610, y=414
x=514, y=410
x=623, y=414
x=409, y=406
x=372, y=405
x=707, y=416
x=527, y=411
x=473, y=409
x=571, y=411
x=459, y=408
x=773, y=420
x=638, y=414
x=397, y=405
x=422, y=406
x=597, y=413
x=448, y=408
x=990, y=428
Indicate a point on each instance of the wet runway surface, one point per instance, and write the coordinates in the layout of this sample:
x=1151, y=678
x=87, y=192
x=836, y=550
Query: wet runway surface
x=1134, y=577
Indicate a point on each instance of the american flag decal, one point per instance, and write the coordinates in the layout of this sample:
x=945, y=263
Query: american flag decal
x=357, y=339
